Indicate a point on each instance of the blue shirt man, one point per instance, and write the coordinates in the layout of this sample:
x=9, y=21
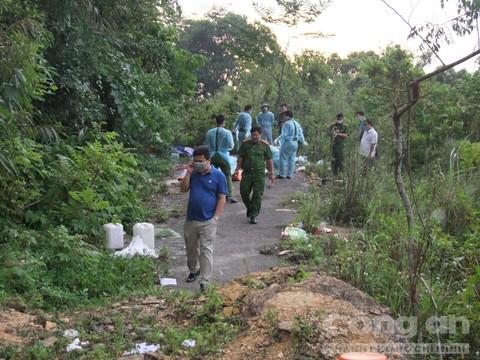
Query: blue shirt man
x=266, y=119
x=243, y=125
x=290, y=137
x=205, y=188
x=208, y=188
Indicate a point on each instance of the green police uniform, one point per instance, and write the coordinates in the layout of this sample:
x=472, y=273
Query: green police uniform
x=338, y=144
x=252, y=185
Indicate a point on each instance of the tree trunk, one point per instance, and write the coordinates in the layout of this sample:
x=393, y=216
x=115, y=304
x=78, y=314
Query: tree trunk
x=399, y=155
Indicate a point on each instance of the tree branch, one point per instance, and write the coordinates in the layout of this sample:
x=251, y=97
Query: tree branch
x=413, y=30
x=444, y=68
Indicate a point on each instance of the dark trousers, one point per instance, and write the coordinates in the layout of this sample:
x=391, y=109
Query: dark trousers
x=337, y=159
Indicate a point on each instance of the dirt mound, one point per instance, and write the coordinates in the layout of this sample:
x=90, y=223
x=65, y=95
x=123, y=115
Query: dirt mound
x=313, y=317
x=18, y=327
x=286, y=313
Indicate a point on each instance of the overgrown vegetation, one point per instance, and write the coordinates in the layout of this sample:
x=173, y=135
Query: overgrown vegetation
x=92, y=95
x=113, y=331
x=374, y=257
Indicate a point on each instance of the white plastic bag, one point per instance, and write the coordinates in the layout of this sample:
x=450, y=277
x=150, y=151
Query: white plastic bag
x=136, y=247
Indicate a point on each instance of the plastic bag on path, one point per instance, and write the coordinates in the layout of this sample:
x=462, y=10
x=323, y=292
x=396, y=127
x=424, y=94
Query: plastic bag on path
x=294, y=233
x=136, y=247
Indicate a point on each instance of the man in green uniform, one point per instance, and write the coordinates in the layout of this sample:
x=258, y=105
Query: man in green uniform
x=339, y=134
x=253, y=156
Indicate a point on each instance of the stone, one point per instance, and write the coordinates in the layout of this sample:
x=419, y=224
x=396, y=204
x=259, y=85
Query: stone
x=228, y=311
x=50, y=341
x=287, y=326
x=50, y=326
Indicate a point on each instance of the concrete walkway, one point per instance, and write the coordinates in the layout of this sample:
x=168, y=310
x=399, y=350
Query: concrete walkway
x=236, y=250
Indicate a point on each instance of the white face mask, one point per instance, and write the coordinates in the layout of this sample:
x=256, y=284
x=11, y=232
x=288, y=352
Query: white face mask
x=339, y=121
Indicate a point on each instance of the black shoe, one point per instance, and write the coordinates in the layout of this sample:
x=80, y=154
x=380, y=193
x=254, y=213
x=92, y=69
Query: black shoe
x=288, y=177
x=203, y=288
x=280, y=177
x=193, y=276
x=231, y=200
x=253, y=220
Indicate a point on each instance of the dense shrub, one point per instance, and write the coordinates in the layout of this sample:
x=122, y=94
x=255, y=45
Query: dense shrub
x=78, y=187
x=55, y=270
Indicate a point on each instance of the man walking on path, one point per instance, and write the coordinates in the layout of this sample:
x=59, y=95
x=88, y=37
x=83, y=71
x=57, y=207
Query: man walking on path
x=208, y=188
x=243, y=124
x=266, y=119
x=220, y=141
x=339, y=134
x=253, y=156
x=290, y=137
x=368, y=144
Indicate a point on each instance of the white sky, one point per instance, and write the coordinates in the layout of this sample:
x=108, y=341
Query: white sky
x=358, y=25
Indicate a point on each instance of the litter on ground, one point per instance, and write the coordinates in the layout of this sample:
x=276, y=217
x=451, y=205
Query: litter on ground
x=142, y=348
x=188, y=344
x=136, y=247
x=70, y=333
x=294, y=233
x=168, y=282
x=76, y=344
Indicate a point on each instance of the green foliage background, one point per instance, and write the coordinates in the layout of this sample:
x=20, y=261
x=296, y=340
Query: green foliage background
x=94, y=92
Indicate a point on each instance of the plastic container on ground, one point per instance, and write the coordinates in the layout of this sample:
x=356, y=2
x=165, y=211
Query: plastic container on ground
x=147, y=232
x=113, y=236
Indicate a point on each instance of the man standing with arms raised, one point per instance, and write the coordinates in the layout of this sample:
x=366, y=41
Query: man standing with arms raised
x=208, y=189
x=220, y=141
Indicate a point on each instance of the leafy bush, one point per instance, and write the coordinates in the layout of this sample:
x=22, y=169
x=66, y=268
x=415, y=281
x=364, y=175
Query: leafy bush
x=54, y=270
x=469, y=155
x=77, y=187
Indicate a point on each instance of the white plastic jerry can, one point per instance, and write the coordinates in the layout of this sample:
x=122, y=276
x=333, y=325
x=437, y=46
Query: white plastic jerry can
x=147, y=232
x=114, y=236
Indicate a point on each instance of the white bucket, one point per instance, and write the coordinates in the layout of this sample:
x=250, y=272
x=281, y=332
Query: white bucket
x=113, y=236
x=147, y=232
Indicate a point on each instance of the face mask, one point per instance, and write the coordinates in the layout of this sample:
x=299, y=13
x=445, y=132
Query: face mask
x=339, y=121
x=199, y=166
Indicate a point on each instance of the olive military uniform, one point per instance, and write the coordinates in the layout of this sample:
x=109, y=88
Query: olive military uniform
x=253, y=178
x=338, y=144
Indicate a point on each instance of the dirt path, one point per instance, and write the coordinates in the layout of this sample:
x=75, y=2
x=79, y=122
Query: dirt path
x=236, y=250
